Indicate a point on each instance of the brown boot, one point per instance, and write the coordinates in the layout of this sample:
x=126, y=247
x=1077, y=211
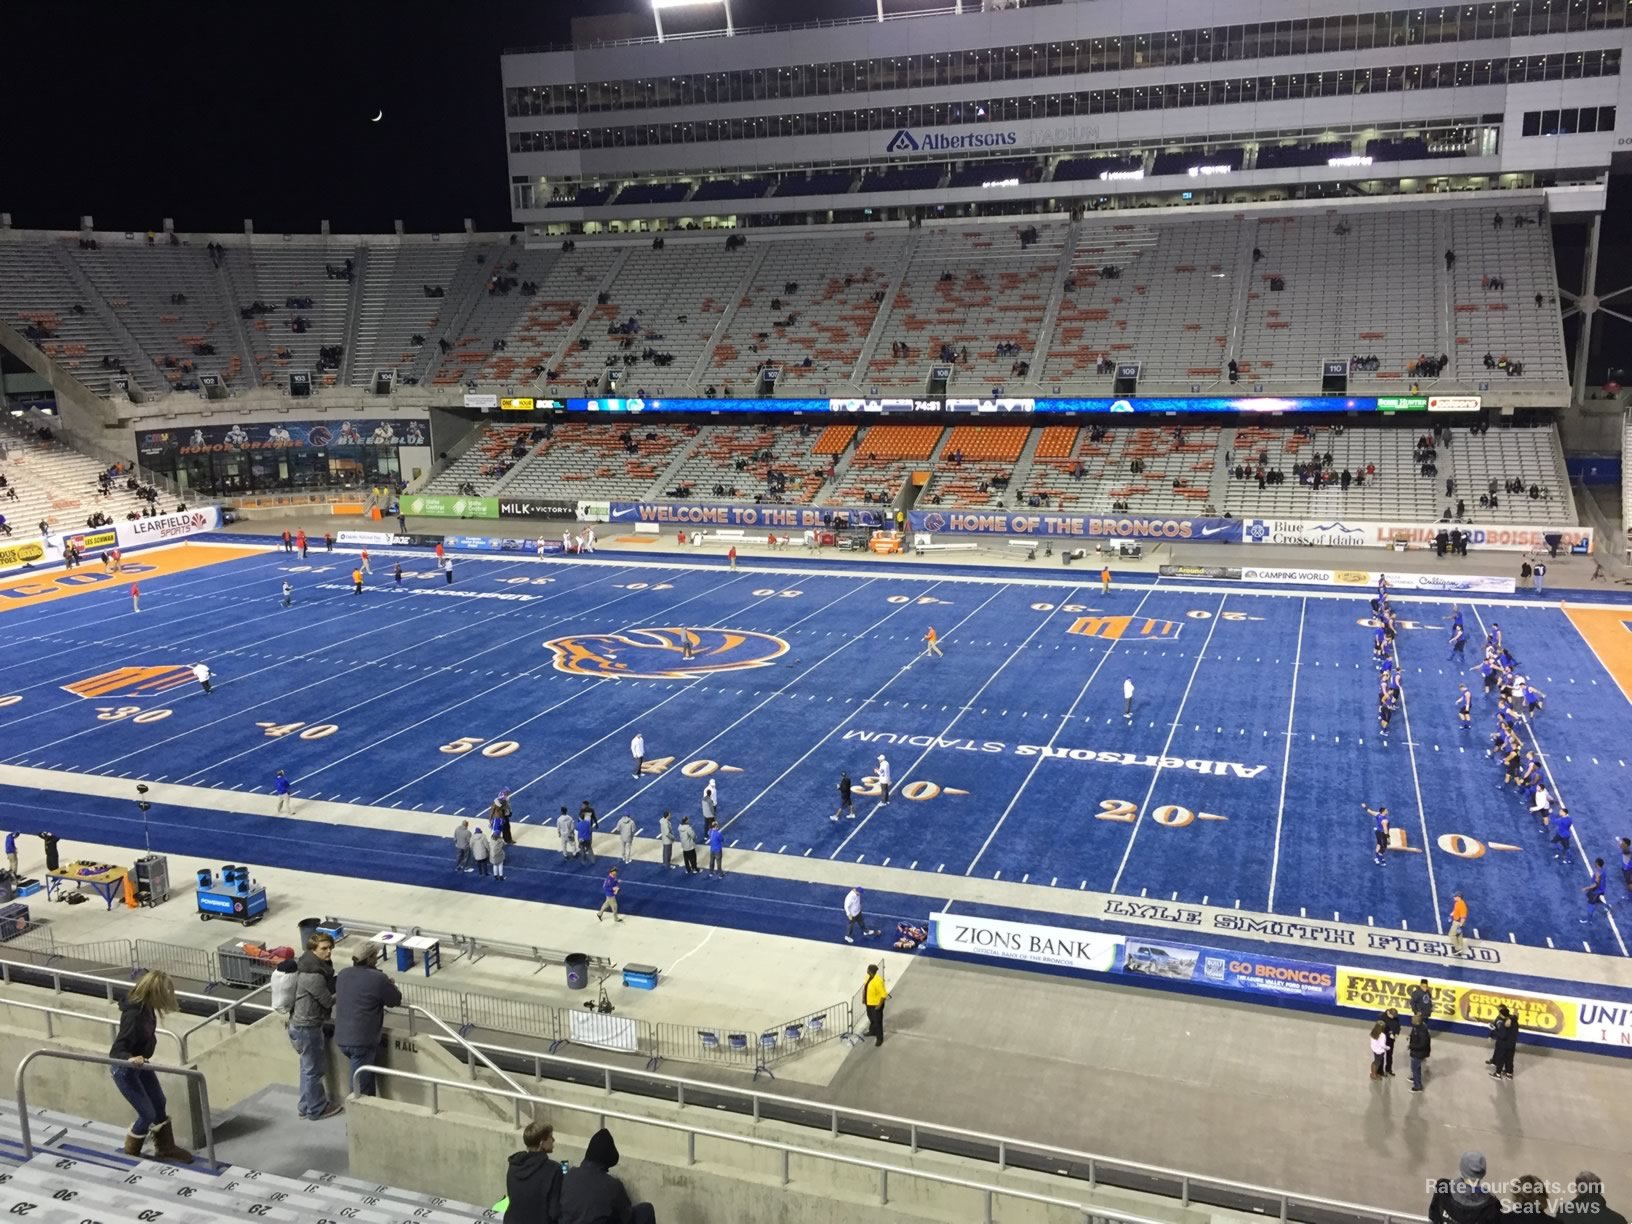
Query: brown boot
x=133, y=1144
x=164, y=1144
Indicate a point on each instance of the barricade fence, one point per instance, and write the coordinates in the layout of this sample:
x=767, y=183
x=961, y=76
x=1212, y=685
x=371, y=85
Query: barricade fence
x=187, y=964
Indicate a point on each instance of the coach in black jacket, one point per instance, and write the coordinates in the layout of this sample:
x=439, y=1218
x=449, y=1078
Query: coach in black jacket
x=361, y=995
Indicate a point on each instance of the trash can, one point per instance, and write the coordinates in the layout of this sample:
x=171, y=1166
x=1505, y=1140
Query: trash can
x=405, y=959
x=308, y=928
x=577, y=971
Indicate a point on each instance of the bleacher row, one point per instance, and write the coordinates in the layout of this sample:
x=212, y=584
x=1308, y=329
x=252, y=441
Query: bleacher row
x=49, y=482
x=1019, y=304
x=1141, y=469
x=77, y=1176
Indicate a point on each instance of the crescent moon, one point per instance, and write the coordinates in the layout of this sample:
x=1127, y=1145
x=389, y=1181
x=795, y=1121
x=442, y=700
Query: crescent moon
x=378, y=117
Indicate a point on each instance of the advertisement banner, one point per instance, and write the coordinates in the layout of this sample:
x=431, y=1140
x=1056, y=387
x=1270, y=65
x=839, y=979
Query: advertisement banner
x=431, y=505
x=1231, y=970
x=1480, y=584
x=1199, y=571
x=1372, y=990
x=281, y=435
x=1257, y=405
x=163, y=527
x=529, y=508
x=21, y=553
x=475, y=399
x=595, y=511
x=1077, y=526
x=1024, y=941
x=370, y=539
x=1354, y=533
x=728, y=514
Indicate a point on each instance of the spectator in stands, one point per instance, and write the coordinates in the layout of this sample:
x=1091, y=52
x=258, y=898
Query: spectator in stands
x=532, y=1182
x=1450, y=259
x=137, y=1039
x=361, y=995
x=591, y=1195
x=1588, y=1205
x=1464, y=1200
x=314, y=1007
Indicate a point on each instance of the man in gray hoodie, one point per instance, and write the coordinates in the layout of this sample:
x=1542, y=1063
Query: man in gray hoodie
x=461, y=846
x=361, y=995
x=569, y=839
x=314, y=1006
x=626, y=835
x=1465, y=1200
x=665, y=838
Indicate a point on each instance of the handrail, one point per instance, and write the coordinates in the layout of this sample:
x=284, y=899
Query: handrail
x=190, y=1074
x=787, y=1150
x=112, y=1021
x=7, y=965
x=415, y=1009
x=230, y=1010
x=914, y=1127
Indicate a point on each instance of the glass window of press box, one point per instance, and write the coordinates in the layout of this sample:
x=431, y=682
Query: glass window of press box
x=222, y=473
x=1156, y=49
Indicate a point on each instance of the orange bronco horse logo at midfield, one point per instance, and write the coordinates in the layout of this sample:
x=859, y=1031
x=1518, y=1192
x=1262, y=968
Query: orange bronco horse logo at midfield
x=664, y=654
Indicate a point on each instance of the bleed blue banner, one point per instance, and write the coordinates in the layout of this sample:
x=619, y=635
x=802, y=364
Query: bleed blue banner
x=1230, y=970
x=1079, y=526
x=763, y=518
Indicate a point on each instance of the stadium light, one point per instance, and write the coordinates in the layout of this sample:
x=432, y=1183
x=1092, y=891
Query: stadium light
x=659, y=5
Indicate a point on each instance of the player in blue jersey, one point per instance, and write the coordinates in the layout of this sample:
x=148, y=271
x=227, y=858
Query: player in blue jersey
x=1459, y=640
x=1626, y=862
x=1464, y=706
x=1387, y=702
x=1533, y=699
x=1560, y=825
x=1379, y=824
x=1595, y=890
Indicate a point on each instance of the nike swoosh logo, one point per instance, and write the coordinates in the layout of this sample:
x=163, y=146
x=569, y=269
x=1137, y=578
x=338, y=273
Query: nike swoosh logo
x=1210, y=531
x=629, y=513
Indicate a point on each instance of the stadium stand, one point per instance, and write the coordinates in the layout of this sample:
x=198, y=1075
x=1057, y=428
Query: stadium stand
x=488, y=459
x=619, y=461
x=40, y=298
x=172, y=303
x=281, y=276
x=1095, y=471
x=737, y=462
x=658, y=316
x=395, y=307
x=1530, y=457
x=1516, y=318
x=56, y=484
x=884, y=457
x=1181, y=296
x=824, y=317
x=976, y=466
x=968, y=293
x=78, y=1168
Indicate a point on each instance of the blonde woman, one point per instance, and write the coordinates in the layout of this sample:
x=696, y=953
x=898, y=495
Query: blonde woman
x=152, y=996
x=1379, y=1048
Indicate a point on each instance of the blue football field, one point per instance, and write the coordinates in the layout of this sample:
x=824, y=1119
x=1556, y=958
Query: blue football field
x=1238, y=780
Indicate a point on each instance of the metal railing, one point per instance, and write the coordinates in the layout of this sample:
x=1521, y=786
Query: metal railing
x=110, y=1021
x=229, y=1010
x=1006, y=1151
x=470, y=946
x=194, y=1078
x=471, y=1049
x=989, y=1193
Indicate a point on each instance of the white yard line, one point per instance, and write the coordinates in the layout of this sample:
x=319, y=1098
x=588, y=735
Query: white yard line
x=1178, y=719
x=1043, y=756
x=1286, y=760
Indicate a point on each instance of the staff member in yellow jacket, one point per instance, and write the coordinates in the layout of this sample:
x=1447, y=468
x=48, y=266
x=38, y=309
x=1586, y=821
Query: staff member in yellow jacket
x=874, y=995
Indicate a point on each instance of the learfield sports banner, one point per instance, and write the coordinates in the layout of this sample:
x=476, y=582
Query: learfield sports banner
x=281, y=435
x=1076, y=526
x=735, y=514
x=1230, y=970
x=1353, y=533
x=1033, y=943
x=430, y=505
x=162, y=527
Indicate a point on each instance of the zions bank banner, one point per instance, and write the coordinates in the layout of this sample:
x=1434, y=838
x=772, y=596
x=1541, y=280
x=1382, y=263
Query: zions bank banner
x=1079, y=526
x=725, y=514
x=280, y=435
